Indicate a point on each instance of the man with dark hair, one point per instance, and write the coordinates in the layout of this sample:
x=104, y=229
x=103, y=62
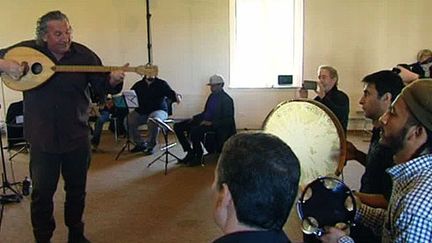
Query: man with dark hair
x=256, y=183
x=379, y=91
x=56, y=124
x=407, y=130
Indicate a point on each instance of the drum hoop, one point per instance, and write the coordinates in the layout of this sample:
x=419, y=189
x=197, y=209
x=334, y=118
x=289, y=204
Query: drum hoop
x=339, y=128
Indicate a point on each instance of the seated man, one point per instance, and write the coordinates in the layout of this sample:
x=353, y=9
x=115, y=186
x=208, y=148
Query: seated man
x=152, y=93
x=255, y=185
x=218, y=116
x=407, y=129
x=423, y=66
x=406, y=74
x=380, y=90
x=106, y=109
x=329, y=95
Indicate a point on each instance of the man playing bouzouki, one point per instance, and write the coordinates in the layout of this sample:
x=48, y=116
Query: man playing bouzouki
x=55, y=123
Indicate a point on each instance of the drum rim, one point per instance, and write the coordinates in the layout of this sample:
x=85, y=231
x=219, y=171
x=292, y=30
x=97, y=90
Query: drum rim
x=336, y=122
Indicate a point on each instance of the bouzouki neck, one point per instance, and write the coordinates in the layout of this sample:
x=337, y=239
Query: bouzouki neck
x=92, y=69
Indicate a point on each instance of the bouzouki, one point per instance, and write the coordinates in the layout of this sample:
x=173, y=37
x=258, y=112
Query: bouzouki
x=38, y=68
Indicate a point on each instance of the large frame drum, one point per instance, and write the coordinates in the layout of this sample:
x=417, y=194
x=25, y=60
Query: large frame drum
x=315, y=135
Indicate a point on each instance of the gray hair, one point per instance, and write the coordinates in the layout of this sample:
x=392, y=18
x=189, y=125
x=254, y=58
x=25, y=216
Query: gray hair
x=42, y=24
x=332, y=71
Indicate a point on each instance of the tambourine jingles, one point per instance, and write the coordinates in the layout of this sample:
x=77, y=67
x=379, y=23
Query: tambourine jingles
x=326, y=201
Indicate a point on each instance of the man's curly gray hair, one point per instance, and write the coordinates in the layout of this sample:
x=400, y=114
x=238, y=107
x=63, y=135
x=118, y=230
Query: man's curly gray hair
x=42, y=24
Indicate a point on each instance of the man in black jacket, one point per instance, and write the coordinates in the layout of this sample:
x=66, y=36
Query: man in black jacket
x=337, y=101
x=329, y=95
x=56, y=124
x=152, y=94
x=218, y=116
x=380, y=90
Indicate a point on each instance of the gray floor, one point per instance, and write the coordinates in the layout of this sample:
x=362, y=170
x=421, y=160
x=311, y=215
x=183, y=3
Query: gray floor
x=128, y=202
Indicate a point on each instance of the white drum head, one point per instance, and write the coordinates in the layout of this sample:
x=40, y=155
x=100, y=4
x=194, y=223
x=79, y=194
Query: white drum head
x=317, y=138
x=313, y=133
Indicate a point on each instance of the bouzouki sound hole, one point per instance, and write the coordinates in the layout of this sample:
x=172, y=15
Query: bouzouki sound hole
x=36, y=68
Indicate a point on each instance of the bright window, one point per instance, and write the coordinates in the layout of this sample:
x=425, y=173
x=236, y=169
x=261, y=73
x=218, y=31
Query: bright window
x=266, y=41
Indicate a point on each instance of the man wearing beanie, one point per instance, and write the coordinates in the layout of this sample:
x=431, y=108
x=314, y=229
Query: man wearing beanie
x=217, y=117
x=407, y=129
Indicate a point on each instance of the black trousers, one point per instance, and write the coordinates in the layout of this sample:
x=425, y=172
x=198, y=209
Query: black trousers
x=362, y=234
x=196, y=133
x=45, y=170
x=359, y=233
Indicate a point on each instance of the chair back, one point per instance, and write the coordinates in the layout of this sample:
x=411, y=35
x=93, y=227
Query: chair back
x=169, y=104
x=15, y=123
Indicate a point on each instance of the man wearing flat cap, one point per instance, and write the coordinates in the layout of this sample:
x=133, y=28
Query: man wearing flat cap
x=407, y=129
x=218, y=116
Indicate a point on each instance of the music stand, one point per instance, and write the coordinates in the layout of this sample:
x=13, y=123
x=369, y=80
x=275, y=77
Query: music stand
x=165, y=128
x=127, y=100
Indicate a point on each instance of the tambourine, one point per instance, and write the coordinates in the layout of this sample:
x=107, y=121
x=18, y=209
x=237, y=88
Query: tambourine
x=315, y=135
x=326, y=201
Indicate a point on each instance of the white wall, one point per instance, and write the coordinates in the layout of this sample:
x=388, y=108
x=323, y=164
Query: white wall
x=191, y=42
x=360, y=37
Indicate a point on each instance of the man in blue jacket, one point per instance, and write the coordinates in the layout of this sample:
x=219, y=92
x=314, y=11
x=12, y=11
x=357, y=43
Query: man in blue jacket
x=218, y=116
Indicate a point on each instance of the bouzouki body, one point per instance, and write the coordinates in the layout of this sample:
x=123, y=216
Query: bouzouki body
x=38, y=68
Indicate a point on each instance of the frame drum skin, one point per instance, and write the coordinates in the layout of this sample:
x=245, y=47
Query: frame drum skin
x=315, y=135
